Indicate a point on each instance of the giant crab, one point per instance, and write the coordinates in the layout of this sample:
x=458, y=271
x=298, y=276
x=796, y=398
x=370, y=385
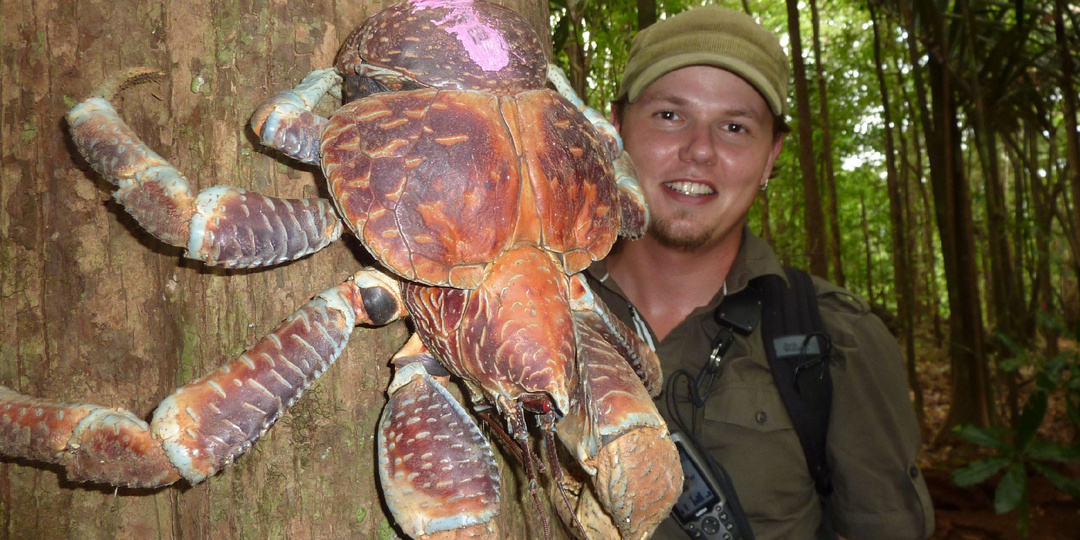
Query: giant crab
x=483, y=194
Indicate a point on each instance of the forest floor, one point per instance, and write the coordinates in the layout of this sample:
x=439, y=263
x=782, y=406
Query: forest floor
x=967, y=513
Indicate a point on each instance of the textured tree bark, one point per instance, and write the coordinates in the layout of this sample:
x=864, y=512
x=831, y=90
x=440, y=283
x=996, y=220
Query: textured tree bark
x=94, y=309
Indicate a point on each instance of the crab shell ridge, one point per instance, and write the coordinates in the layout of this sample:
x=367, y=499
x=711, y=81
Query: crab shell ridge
x=438, y=183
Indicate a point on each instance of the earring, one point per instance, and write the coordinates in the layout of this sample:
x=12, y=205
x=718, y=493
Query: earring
x=764, y=186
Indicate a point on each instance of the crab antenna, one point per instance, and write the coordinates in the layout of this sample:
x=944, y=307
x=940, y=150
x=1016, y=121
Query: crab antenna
x=129, y=77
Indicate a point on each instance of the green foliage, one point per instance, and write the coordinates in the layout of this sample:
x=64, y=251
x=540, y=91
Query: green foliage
x=1019, y=450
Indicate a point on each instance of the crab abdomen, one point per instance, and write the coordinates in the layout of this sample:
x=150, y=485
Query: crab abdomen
x=438, y=184
x=513, y=333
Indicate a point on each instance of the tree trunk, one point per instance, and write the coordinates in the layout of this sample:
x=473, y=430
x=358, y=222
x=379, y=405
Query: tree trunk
x=902, y=275
x=814, y=216
x=926, y=252
x=646, y=14
x=835, y=246
x=575, y=48
x=96, y=310
x=1072, y=133
x=868, y=250
x=952, y=210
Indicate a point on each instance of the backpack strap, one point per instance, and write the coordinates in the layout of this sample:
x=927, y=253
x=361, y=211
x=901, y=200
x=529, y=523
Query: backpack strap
x=798, y=351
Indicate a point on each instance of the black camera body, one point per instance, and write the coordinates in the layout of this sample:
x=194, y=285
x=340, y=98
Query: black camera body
x=703, y=510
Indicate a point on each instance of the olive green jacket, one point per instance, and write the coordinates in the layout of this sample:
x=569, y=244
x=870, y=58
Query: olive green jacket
x=873, y=435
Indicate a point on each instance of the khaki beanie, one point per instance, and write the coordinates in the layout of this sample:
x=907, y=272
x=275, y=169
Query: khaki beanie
x=711, y=36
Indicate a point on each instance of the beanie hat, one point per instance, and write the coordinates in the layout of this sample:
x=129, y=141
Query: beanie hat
x=711, y=36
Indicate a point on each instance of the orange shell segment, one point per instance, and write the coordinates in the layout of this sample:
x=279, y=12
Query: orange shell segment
x=572, y=179
x=427, y=180
x=438, y=184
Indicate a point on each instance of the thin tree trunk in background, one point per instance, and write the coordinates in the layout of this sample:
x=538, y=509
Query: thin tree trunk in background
x=814, y=216
x=913, y=163
x=952, y=205
x=1072, y=135
x=1042, y=203
x=835, y=246
x=96, y=310
x=868, y=251
x=646, y=13
x=575, y=48
x=902, y=275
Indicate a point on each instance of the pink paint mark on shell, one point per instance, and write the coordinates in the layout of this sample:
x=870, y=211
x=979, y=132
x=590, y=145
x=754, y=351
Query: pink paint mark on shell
x=485, y=45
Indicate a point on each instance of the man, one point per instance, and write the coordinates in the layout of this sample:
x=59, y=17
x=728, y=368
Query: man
x=701, y=111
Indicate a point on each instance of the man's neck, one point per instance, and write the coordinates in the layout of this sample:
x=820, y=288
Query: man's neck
x=666, y=284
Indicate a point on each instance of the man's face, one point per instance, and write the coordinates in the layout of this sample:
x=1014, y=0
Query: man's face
x=702, y=140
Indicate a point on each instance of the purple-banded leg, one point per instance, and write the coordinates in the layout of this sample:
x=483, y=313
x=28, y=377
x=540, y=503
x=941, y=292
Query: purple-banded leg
x=203, y=426
x=590, y=310
x=438, y=473
x=629, y=475
x=287, y=122
x=633, y=212
x=557, y=77
x=221, y=226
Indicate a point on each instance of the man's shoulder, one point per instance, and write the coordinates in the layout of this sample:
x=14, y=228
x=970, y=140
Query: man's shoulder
x=833, y=297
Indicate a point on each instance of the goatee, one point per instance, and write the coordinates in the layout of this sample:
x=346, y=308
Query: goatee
x=666, y=232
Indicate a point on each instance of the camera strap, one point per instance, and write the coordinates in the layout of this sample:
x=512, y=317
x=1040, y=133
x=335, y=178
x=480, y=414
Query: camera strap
x=798, y=350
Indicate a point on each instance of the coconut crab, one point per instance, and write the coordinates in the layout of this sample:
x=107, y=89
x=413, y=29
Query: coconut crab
x=482, y=194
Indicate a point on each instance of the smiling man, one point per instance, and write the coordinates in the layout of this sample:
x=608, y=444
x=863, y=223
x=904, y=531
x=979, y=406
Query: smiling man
x=701, y=111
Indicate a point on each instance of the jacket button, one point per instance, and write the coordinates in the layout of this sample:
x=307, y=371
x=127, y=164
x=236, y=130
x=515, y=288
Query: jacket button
x=761, y=417
x=913, y=471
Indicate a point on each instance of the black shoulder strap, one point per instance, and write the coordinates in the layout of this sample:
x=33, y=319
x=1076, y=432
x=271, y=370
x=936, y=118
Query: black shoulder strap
x=798, y=351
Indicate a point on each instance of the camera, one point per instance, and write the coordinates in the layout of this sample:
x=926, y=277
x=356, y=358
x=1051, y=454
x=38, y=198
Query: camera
x=705, y=509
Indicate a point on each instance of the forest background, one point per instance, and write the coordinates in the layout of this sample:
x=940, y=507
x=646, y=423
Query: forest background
x=934, y=169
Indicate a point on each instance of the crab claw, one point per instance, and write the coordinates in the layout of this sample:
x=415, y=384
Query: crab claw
x=633, y=489
x=621, y=442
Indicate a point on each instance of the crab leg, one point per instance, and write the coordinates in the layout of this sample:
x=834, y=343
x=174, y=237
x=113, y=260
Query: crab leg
x=223, y=226
x=286, y=121
x=437, y=471
x=633, y=212
x=557, y=77
x=205, y=425
x=630, y=475
x=589, y=309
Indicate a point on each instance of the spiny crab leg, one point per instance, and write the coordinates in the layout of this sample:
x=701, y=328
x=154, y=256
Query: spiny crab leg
x=437, y=470
x=557, y=77
x=287, y=122
x=203, y=426
x=633, y=212
x=626, y=342
x=223, y=226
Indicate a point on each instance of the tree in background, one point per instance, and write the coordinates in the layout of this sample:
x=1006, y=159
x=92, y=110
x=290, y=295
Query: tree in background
x=970, y=224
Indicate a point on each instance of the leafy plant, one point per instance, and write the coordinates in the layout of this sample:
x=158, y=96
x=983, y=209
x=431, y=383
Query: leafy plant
x=1020, y=452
